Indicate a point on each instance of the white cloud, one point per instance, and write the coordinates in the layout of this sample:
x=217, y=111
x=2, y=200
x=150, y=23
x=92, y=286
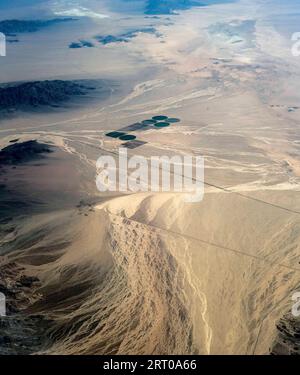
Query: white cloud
x=73, y=8
x=80, y=12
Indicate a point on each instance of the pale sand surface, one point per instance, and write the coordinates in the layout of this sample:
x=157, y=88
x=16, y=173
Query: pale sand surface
x=149, y=273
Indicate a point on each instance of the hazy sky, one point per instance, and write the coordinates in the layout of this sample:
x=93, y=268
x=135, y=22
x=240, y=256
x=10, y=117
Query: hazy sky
x=47, y=8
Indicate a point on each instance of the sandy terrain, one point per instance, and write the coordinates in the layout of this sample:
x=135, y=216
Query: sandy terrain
x=149, y=273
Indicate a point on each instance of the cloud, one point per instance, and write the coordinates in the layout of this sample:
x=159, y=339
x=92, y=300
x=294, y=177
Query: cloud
x=76, y=11
x=80, y=12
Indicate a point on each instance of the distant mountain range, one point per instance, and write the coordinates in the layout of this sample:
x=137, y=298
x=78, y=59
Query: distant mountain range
x=169, y=6
x=125, y=37
x=18, y=153
x=39, y=93
x=9, y=27
x=156, y=7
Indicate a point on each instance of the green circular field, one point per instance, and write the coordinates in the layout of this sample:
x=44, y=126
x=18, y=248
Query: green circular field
x=149, y=122
x=162, y=124
x=127, y=137
x=159, y=118
x=173, y=120
x=115, y=134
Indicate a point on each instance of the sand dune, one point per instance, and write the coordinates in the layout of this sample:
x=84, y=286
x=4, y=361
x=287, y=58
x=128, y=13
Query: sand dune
x=113, y=282
x=149, y=273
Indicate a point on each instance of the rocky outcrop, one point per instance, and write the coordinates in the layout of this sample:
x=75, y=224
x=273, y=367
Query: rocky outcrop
x=287, y=341
x=169, y=6
x=9, y=27
x=20, y=333
x=39, y=93
x=18, y=153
